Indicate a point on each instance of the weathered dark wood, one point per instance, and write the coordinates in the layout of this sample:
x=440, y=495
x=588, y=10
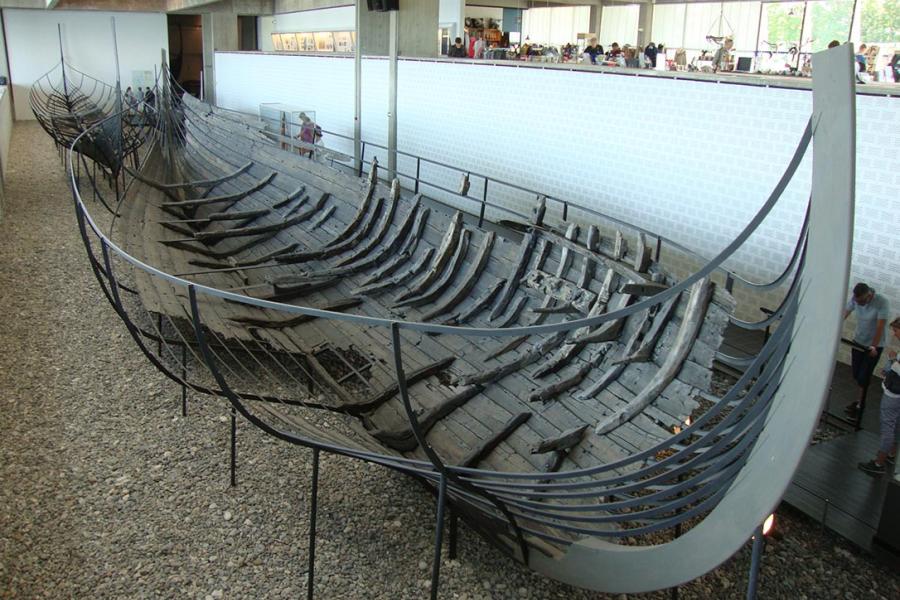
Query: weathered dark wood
x=642, y=254
x=480, y=304
x=477, y=455
x=566, y=440
x=323, y=217
x=687, y=332
x=548, y=392
x=512, y=283
x=404, y=440
x=525, y=359
x=228, y=198
x=560, y=290
x=371, y=404
x=648, y=343
x=446, y=278
x=396, y=280
x=382, y=232
x=648, y=288
x=513, y=314
x=444, y=255
x=406, y=250
x=469, y=280
x=338, y=306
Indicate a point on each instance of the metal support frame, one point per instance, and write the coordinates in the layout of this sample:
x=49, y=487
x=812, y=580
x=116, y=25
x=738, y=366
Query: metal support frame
x=357, y=94
x=453, y=540
x=393, y=47
x=755, y=557
x=438, y=536
x=313, y=508
x=233, y=447
x=183, y=380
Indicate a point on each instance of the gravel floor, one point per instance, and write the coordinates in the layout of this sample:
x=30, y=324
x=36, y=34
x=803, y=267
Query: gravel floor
x=107, y=492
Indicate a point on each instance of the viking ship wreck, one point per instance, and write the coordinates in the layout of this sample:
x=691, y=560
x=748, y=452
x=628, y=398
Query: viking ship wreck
x=546, y=376
x=74, y=109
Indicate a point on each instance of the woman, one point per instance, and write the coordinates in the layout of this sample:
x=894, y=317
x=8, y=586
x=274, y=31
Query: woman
x=890, y=412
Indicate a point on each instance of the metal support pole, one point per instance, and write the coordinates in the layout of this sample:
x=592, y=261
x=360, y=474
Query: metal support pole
x=758, y=542
x=183, y=378
x=483, y=203
x=233, y=447
x=565, y=215
x=852, y=22
x=438, y=537
x=313, y=505
x=357, y=92
x=418, y=171
x=362, y=158
x=393, y=48
x=454, y=534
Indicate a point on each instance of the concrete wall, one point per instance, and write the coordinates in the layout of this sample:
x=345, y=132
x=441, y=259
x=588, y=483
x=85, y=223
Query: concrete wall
x=688, y=159
x=418, y=29
x=32, y=42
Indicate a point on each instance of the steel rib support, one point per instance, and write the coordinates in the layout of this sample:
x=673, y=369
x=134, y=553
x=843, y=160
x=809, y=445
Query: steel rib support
x=233, y=447
x=758, y=543
x=313, y=511
x=432, y=455
x=438, y=536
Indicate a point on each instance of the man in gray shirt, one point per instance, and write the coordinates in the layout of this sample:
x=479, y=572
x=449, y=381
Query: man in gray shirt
x=871, y=315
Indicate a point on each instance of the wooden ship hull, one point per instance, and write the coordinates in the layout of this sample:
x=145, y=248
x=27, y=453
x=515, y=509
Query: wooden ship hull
x=549, y=379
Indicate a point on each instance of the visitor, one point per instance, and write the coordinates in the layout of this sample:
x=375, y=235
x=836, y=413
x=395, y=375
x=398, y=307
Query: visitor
x=457, y=50
x=650, y=53
x=722, y=58
x=471, y=45
x=593, y=50
x=833, y=44
x=614, y=51
x=629, y=58
x=150, y=98
x=130, y=102
x=480, y=46
x=310, y=133
x=861, y=58
x=890, y=412
x=871, y=314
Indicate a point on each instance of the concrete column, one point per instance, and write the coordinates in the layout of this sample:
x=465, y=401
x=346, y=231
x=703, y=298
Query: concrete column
x=418, y=21
x=645, y=25
x=596, y=17
x=220, y=32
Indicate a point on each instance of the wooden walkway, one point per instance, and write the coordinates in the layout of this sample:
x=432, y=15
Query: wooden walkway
x=828, y=486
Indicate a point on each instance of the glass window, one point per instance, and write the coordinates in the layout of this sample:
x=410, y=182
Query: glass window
x=702, y=19
x=826, y=21
x=741, y=20
x=780, y=27
x=556, y=25
x=668, y=24
x=619, y=24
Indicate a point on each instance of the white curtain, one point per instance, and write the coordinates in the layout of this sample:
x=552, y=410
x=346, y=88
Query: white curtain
x=556, y=26
x=619, y=24
x=668, y=25
x=702, y=19
x=744, y=20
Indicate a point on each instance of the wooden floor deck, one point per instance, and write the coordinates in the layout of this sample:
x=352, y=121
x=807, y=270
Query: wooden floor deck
x=828, y=486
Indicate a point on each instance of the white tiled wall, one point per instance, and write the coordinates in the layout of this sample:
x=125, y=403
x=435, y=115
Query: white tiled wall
x=690, y=160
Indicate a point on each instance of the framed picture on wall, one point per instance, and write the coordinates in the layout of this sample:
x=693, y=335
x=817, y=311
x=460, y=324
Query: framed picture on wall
x=343, y=41
x=276, y=42
x=289, y=41
x=306, y=42
x=324, y=41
